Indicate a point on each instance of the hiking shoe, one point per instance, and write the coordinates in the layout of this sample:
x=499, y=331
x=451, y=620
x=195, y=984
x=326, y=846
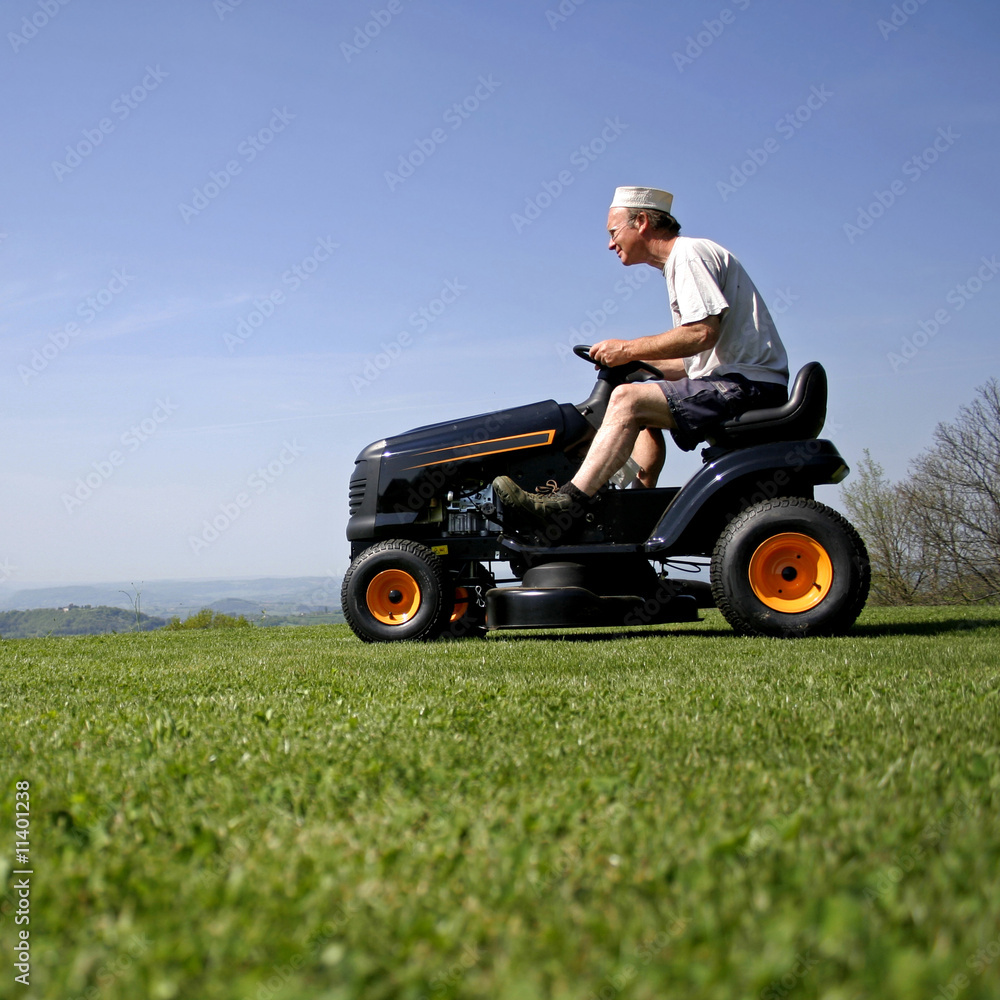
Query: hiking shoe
x=554, y=515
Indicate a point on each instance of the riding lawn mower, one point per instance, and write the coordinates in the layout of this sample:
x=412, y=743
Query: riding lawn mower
x=428, y=535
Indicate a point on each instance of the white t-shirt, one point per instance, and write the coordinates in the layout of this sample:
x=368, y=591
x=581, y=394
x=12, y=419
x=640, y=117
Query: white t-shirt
x=704, y=279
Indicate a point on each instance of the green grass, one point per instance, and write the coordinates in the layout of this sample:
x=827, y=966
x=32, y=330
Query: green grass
x=670, y=812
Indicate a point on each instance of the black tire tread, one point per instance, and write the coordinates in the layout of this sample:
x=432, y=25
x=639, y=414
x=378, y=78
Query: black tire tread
x=847, y=615
x=415, y=549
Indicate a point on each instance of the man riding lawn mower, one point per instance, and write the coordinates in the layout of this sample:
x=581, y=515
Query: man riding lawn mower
x=425, y=530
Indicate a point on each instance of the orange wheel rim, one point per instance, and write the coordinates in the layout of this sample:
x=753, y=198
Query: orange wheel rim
x=791, y=572
x=461, y=604
x=393, y=597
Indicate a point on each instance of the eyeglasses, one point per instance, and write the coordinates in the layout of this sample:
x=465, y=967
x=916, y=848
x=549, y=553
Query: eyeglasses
x=612, y=233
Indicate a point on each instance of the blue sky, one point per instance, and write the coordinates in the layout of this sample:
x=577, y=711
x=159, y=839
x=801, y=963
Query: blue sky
x=221, y=220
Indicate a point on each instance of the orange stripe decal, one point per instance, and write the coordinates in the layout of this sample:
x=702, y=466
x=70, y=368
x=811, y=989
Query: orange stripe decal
x=479, y=449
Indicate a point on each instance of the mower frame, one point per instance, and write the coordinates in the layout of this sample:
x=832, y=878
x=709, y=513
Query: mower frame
x=426, y=531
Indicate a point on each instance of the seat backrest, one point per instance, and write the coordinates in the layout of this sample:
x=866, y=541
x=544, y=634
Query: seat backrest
x=801, y=418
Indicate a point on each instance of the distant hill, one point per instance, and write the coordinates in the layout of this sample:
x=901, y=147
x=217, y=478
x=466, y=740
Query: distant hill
x=236, y=606
x=167, y=598
x=278, y=614
x=73, y=620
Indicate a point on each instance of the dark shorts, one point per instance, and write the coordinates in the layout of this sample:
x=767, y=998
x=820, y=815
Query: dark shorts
x=700, y=404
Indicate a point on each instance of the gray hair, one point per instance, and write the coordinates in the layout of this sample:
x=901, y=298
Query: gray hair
x=658, y=220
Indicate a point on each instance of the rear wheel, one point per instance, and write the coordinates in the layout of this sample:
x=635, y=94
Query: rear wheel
x=790, y=567
x=397, y=590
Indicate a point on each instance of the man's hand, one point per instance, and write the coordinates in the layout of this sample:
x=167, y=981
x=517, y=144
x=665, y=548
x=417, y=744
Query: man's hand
x=612, y=353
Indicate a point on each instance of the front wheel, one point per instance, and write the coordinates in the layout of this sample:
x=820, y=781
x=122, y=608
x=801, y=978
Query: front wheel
x=789, y=568
x=397, y=590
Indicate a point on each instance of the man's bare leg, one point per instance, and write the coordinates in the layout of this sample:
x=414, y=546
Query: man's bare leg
x=649, y=454
x=631, y=407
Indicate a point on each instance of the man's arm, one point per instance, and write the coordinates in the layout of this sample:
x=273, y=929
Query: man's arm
x=672, y=345
x=669, y=368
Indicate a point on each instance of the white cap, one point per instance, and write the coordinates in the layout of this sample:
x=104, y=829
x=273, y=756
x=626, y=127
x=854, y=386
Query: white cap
x=639, y=197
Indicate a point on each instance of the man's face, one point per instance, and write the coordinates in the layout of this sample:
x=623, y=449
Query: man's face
x=622, y=238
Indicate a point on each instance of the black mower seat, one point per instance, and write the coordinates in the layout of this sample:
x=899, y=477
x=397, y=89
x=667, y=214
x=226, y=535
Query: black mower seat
x=800, y=419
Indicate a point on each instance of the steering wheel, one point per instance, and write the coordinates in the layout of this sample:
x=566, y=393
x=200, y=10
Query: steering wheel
x=622, y=371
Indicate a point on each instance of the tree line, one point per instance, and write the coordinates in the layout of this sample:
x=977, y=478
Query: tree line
x=74, y=620
x=934, y=536
x=101, y=620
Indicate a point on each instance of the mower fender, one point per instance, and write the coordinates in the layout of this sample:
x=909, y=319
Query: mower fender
x=737, y=479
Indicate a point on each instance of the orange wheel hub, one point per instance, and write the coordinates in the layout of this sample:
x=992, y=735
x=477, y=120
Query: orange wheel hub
x=790, y=572
x=461, y=604
x=393, y=597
